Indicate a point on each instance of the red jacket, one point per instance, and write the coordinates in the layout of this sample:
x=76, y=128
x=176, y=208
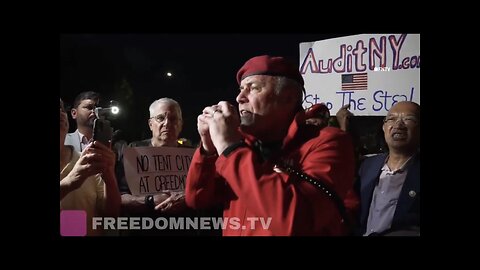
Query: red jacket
x=252, y=191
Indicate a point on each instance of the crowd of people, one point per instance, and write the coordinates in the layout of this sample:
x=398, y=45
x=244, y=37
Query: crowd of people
x=268, y=164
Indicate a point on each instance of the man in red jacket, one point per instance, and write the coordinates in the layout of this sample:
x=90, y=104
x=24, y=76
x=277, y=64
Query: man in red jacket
x=243, y=158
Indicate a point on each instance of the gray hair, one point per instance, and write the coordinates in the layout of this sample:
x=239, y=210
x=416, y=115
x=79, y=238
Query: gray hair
x=170, y=101
x=283, y=83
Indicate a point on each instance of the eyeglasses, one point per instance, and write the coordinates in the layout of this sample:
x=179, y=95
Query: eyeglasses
x=407, y=120
x=162, y=117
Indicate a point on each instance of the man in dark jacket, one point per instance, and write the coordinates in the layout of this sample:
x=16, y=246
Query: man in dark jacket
x=390, y=183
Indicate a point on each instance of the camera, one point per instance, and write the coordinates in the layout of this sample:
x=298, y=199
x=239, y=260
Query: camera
x=111, y=111
x=102, y=129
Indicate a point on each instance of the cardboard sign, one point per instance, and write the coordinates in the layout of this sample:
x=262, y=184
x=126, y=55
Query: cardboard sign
x=151, y=170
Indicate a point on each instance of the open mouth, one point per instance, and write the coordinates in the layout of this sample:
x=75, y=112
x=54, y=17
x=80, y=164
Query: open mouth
x=244, y=112
x=399, y=135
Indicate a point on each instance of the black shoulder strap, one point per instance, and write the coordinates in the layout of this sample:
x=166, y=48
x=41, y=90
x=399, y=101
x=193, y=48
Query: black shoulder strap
x=327, y=190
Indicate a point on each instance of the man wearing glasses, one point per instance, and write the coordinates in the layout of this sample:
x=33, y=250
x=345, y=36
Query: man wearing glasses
x=390, y=182
x=165, y=122
x=83, y=112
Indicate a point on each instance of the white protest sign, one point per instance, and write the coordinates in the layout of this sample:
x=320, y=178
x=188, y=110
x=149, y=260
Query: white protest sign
x=370, y=71
x=150, y=170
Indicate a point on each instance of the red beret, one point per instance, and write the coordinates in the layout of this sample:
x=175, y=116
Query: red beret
x=270, y=65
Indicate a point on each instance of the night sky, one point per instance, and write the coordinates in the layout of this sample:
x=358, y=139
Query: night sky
x=131, y=69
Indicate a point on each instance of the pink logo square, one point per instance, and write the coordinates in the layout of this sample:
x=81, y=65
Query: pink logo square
x=73, y=223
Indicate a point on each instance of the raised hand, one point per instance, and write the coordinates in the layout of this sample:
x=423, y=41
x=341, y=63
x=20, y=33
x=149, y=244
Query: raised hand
x=343, y=117
x=223, y=122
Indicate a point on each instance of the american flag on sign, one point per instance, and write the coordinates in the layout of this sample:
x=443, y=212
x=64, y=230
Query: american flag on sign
x=354, y=81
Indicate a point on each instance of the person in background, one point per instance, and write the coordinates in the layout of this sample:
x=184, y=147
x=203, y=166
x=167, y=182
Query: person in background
x=83, y=112
x=87, y=179
x=165, y=123
x=343, y=117
x=390, y=182
x=322, y=118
